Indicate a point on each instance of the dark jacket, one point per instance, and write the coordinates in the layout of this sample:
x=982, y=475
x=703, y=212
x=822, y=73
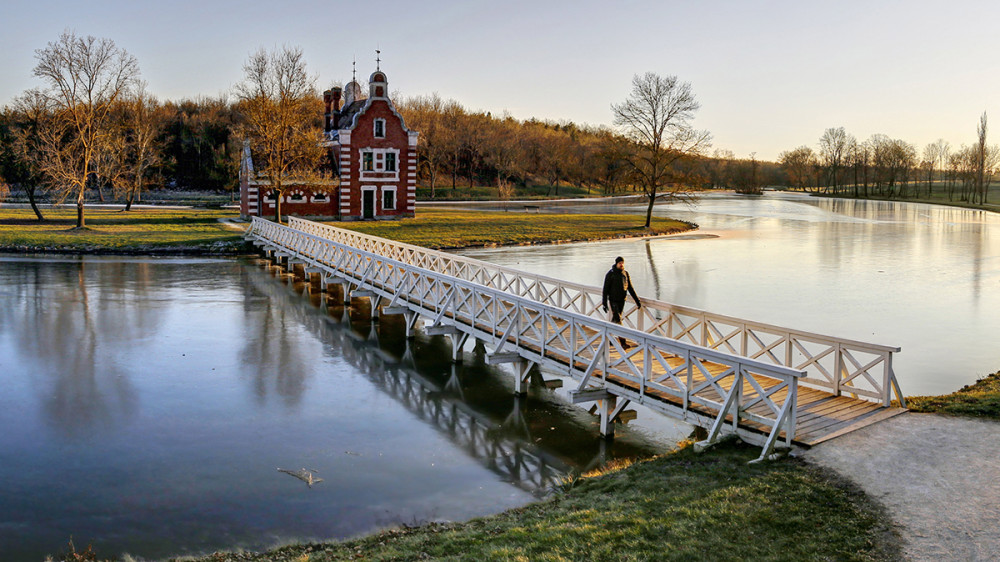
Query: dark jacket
x=618, y=285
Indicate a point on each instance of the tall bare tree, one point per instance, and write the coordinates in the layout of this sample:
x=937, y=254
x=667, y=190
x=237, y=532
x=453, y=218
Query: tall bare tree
x=982, y=155
x=29, y=114
x=135, y=145
x=798, y=164
x=84, y=77
x=281, y=110
x=833, y=146
x=656, y=117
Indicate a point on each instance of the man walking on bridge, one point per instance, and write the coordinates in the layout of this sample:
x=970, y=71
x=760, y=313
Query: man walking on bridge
x=617, y=286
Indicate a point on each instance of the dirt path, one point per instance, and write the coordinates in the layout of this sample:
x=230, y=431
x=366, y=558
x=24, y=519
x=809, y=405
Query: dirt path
x=939, y=476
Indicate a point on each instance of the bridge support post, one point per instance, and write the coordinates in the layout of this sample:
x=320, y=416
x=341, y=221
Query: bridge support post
x=411, y=323
x=607, y=409
x=458, y=340
x=376, y=301
x=522, y=372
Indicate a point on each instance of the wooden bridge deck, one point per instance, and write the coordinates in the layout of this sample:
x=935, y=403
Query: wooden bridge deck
x=821, y=415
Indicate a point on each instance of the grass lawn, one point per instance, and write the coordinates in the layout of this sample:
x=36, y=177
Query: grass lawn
x=681, y=506
x=981, y=400
x=462, y=192
x=447, y=228
x=137, y=231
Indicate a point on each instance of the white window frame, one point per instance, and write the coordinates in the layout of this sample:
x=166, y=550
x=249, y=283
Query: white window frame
x=389, y=189
x=378, y=171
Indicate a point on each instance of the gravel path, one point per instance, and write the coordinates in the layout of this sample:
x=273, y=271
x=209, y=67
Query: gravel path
x=939, y=476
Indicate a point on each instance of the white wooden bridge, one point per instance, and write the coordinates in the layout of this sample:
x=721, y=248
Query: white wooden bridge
x=766, y=384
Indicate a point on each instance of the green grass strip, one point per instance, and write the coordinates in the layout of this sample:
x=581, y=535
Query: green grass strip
x=682, y=506
x=137, y=231
x=448, y=228
x=980, y=400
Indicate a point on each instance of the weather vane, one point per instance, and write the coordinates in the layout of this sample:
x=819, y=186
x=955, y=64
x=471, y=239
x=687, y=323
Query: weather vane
x=354, y=69
x=378, y=61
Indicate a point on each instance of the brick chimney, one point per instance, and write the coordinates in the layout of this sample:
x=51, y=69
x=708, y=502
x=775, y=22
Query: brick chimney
x=331, y=115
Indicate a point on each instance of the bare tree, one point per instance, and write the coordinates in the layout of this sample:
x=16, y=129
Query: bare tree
x=135, y=146
x=833, y=146
x=982, y=183
x=798, y=164
x=84, y=77
x=281, y=109
x=31, y=110
x=656, y=118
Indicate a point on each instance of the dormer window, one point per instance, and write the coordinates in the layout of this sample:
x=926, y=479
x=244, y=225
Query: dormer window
x=380, y=128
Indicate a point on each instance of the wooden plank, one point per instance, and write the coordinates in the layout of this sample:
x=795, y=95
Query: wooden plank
x=821, y=422
x=873, y=418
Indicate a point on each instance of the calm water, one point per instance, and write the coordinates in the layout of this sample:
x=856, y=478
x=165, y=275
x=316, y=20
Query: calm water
x=147, y=404
x=924, y=278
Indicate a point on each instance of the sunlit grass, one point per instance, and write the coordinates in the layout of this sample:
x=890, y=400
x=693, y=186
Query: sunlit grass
x=447, y=228
x=681, y=506
x=981, y=400
x=143, y=229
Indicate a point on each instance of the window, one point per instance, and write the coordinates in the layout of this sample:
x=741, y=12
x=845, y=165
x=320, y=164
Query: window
x=367, y=161
x=319, y=196
x=388, y=199
x=380, y=128
x=390, y=161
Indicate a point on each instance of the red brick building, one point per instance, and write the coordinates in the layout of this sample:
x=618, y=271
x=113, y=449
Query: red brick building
x=373, y=163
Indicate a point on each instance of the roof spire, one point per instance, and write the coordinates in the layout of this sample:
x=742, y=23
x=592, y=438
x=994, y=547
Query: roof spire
x=354, y=71
x=378, y=60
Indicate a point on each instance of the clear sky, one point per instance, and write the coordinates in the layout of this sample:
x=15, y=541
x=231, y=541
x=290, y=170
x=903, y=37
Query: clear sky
x=770, y=75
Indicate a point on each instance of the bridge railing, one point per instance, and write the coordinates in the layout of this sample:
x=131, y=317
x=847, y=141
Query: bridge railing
x=732, y=392
x=839, y=365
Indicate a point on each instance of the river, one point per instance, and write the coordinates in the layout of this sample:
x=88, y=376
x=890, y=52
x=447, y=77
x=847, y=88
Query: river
x=925, y=278
x=148, y=404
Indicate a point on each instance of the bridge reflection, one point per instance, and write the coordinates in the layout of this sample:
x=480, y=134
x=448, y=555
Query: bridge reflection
x=507, y=448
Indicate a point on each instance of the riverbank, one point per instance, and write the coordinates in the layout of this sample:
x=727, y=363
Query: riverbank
x=453, y=228
x=681, y=506
x=109, y=230
x=978, y=400
x=152, y=230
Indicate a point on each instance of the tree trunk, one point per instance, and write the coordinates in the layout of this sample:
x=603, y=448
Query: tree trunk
x=131, y=197
x=277, y=206
x=79, y=213
x=34, y=204
x=649, y=208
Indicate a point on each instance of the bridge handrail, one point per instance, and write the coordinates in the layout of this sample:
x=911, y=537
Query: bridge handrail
x=839, y=364
x=555, y=336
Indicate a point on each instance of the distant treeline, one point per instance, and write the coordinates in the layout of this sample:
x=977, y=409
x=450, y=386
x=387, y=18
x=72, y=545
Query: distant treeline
x=198, y=146
x=199, y=150
x=195, y=141
x=893, y=168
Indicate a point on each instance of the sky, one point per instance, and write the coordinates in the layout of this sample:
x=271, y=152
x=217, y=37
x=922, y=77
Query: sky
x=770, y=75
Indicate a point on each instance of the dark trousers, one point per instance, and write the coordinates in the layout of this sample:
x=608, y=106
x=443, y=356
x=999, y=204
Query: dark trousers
x=616, y=316
x=616, y=311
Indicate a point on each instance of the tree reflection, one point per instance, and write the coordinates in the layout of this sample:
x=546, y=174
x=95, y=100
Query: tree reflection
x=70, y=319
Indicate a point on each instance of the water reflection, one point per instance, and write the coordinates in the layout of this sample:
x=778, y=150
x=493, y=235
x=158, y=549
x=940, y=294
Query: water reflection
x=471, y=404
x=67, y=321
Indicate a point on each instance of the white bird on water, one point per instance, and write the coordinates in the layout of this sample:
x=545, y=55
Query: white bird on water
x=305, y=475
